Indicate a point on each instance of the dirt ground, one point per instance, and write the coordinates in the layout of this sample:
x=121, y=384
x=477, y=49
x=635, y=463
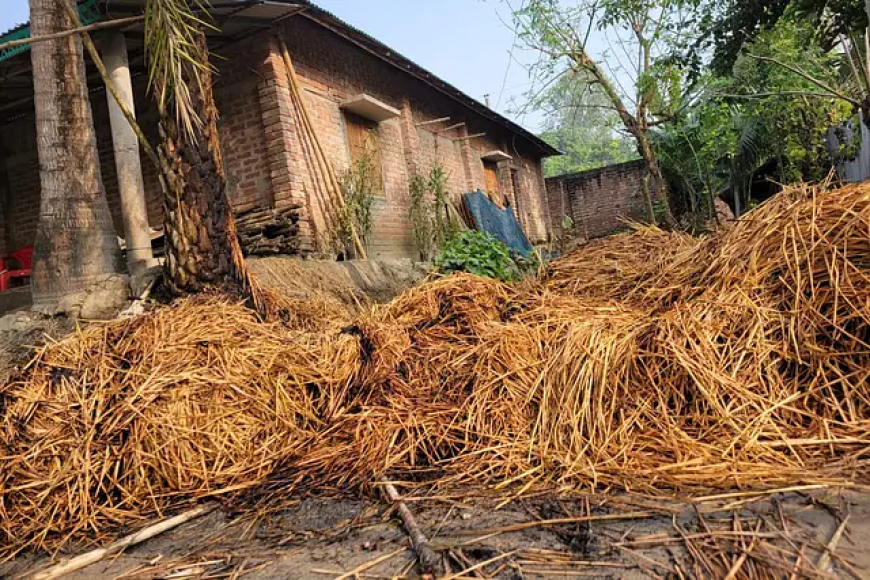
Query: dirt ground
x=318, y=539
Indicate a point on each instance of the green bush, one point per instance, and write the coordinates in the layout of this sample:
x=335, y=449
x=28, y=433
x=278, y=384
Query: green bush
x=477, y=253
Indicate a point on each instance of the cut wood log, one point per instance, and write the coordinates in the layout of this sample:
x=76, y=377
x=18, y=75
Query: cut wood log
x=268, y=231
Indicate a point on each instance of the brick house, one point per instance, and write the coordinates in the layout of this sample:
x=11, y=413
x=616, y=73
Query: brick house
x=352, y=85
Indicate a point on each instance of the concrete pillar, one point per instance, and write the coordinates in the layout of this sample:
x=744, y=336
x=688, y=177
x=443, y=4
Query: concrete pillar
x=129, y=167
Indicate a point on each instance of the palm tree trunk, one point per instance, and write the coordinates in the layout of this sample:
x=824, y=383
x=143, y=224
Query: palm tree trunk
x=202, y=246
x=75, y=240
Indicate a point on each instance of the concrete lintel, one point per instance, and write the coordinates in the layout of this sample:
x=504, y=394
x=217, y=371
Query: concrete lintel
x=370, y=108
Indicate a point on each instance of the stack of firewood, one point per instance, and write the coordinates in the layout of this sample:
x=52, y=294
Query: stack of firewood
x=267, y=232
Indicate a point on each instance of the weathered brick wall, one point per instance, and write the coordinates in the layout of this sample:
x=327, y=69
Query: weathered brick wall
x=21, y=168
x=332, y=69
x=597, y=200
x=242, y=139
x=268, y=161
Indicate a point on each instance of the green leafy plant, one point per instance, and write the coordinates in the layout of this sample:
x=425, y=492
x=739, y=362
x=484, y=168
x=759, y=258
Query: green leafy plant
x=419, y=211
x=431, y=225
x=359, y=185
x=477, y=253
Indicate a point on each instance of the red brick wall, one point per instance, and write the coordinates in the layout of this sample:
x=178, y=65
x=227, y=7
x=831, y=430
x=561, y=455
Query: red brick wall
x=243, y=142
x=332, y=69
x=21, y=165
x=597, y=200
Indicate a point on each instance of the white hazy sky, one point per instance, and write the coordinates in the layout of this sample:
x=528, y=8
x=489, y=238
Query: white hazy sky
x=465, y=42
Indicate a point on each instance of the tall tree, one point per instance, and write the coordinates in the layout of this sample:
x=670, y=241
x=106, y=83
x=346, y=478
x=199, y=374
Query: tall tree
x=735, y=23
x=202, y=246
x=762, y=114
x=644, y=32
x=75, y=240
x=579, y=122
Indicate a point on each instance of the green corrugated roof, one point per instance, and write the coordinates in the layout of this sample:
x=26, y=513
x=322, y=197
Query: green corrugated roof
x=88, y=13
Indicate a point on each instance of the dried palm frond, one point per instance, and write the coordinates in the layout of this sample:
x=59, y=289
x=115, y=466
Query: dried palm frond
x=172, y=30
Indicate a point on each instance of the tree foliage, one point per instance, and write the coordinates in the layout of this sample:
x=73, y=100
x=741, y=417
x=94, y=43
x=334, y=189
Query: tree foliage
x=732, y=24
x=580, y=123
x=645, y=34
x=761, y=112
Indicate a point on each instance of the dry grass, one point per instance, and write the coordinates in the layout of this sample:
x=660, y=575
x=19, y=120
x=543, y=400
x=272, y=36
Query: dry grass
x=646, y=361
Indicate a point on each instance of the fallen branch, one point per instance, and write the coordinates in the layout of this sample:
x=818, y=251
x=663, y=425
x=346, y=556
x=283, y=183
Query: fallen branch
x=429, y=561
x=825, y=559
x=85, y=560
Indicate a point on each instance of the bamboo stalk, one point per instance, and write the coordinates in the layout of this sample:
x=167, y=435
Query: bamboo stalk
x=78, y=30
x=85, y=560
x=332, y=180
x=110, y=85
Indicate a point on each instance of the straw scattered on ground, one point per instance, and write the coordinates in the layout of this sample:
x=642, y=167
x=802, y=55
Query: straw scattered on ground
x=648, y=361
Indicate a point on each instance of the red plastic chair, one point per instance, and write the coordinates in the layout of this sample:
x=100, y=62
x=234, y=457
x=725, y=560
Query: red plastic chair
x=24, y=256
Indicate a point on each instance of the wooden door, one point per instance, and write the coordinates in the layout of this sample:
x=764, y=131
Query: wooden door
x=364, y=143
x=490, y=173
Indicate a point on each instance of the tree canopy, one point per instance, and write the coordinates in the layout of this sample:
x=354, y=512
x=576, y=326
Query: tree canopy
x=719, y=90
x=579, y=122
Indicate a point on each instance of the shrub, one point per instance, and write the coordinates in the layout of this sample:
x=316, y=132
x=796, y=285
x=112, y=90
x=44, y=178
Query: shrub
x=431, y=225
x=359, y=185
x=477, y=253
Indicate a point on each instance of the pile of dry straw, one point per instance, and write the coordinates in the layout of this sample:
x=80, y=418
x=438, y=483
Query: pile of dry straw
x=645, y=361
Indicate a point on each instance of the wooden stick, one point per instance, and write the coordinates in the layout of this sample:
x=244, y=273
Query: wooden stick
x=370, y=564
x=98, y=62
x=740, y=561
x=426, y=556
x=306, y=119
x=85, y=560
x=559, y=521
x=467, y=137
x=760, y=493
x=825, y=558
x=432, y=122
x=79, y=30
x=480, y=565
x=456, y=126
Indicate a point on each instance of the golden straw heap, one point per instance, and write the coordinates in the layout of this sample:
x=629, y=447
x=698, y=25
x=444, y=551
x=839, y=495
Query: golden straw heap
x=650, y=361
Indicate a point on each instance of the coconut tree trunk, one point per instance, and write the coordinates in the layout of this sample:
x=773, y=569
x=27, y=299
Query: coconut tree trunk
x=202, y=246
x=75, y=241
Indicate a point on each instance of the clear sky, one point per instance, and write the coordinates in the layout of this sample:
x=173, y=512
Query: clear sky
x=464, y=42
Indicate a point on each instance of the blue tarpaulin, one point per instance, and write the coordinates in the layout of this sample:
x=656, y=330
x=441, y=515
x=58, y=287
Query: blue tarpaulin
x=501, y=223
